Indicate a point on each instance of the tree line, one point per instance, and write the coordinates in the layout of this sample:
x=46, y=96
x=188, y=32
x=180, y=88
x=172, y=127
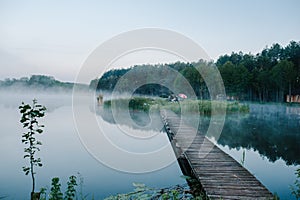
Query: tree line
x=267, y=76
x=38, y=82
x=270, y=75
x=41, y=81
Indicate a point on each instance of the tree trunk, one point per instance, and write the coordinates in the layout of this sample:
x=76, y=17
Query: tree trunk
x=290, y=92
x=33, y=195
x=33, y=179
x=281, y=95
x=260, y=96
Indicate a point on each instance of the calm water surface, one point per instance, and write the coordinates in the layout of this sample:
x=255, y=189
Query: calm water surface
x=63, y=154
x=266, y=141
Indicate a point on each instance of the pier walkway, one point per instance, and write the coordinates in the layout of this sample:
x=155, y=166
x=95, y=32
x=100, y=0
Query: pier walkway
x=220, y=175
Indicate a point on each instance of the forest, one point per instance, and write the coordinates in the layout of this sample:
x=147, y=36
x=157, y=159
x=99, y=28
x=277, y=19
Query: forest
x=268, y=76
x=37, y=82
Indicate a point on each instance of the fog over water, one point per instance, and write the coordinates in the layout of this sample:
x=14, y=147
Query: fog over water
x=63, y=154
x=266, y=141
x=268, y=137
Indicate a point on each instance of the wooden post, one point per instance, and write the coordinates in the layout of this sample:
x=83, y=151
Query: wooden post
x=100, y=99
x=35, y=195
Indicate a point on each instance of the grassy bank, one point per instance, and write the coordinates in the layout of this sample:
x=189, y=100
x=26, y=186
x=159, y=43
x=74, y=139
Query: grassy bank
x=205, y=107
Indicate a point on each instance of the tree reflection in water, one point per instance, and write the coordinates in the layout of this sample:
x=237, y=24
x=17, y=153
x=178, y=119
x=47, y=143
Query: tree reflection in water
x=272, y=130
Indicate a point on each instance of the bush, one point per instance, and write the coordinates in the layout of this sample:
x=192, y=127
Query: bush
x=56, y=193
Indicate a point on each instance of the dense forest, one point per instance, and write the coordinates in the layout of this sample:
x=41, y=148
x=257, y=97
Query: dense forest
x=270, y=75
x=36, y=82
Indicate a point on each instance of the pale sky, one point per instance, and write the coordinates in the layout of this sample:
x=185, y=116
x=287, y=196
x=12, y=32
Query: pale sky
x=55, y=37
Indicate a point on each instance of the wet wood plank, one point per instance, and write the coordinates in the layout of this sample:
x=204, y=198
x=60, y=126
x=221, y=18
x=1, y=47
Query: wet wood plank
x=221, y=176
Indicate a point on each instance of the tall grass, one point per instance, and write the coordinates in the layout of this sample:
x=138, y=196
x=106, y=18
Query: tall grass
x=204, y=107
x=207, y=107
x=136, y=103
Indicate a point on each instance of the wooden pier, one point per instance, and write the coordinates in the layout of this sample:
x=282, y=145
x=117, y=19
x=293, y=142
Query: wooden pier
x=220, y=175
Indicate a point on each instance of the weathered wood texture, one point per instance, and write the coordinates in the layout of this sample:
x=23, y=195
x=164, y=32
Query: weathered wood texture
x=221, y=176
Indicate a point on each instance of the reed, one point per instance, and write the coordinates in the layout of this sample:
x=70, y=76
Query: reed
x=204, y=107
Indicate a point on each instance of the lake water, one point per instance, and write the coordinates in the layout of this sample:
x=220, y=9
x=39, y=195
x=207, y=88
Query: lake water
x=268, y=137
x=63, y=154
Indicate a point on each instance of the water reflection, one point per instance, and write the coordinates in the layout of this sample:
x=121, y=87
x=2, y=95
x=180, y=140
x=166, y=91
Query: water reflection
x=140, y=119
x=269, y=131
x=12, y=100
x=63, y=154
x=272, y=130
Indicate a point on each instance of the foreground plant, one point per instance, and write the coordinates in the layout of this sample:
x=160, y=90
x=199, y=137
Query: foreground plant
x=71, y=191
x=143, y=192
x=56, y=193
x=296, y=188
x=29, y=118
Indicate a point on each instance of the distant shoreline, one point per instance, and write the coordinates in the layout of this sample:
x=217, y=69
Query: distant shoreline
x=39, y=83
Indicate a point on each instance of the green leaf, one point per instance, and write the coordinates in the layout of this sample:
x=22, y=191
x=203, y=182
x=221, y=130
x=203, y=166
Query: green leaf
x=25, y=124
x=39, y=131
x=185, y=177
x=26, y=170
x=23, y=120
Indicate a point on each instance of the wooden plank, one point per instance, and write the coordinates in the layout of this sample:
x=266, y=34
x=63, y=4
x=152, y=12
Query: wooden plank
x=221, y=176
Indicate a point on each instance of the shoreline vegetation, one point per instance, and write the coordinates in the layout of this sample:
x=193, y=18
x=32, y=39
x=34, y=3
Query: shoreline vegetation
x=272, y=75
x=188, y=106
x=39, y=83
x=75, y=184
